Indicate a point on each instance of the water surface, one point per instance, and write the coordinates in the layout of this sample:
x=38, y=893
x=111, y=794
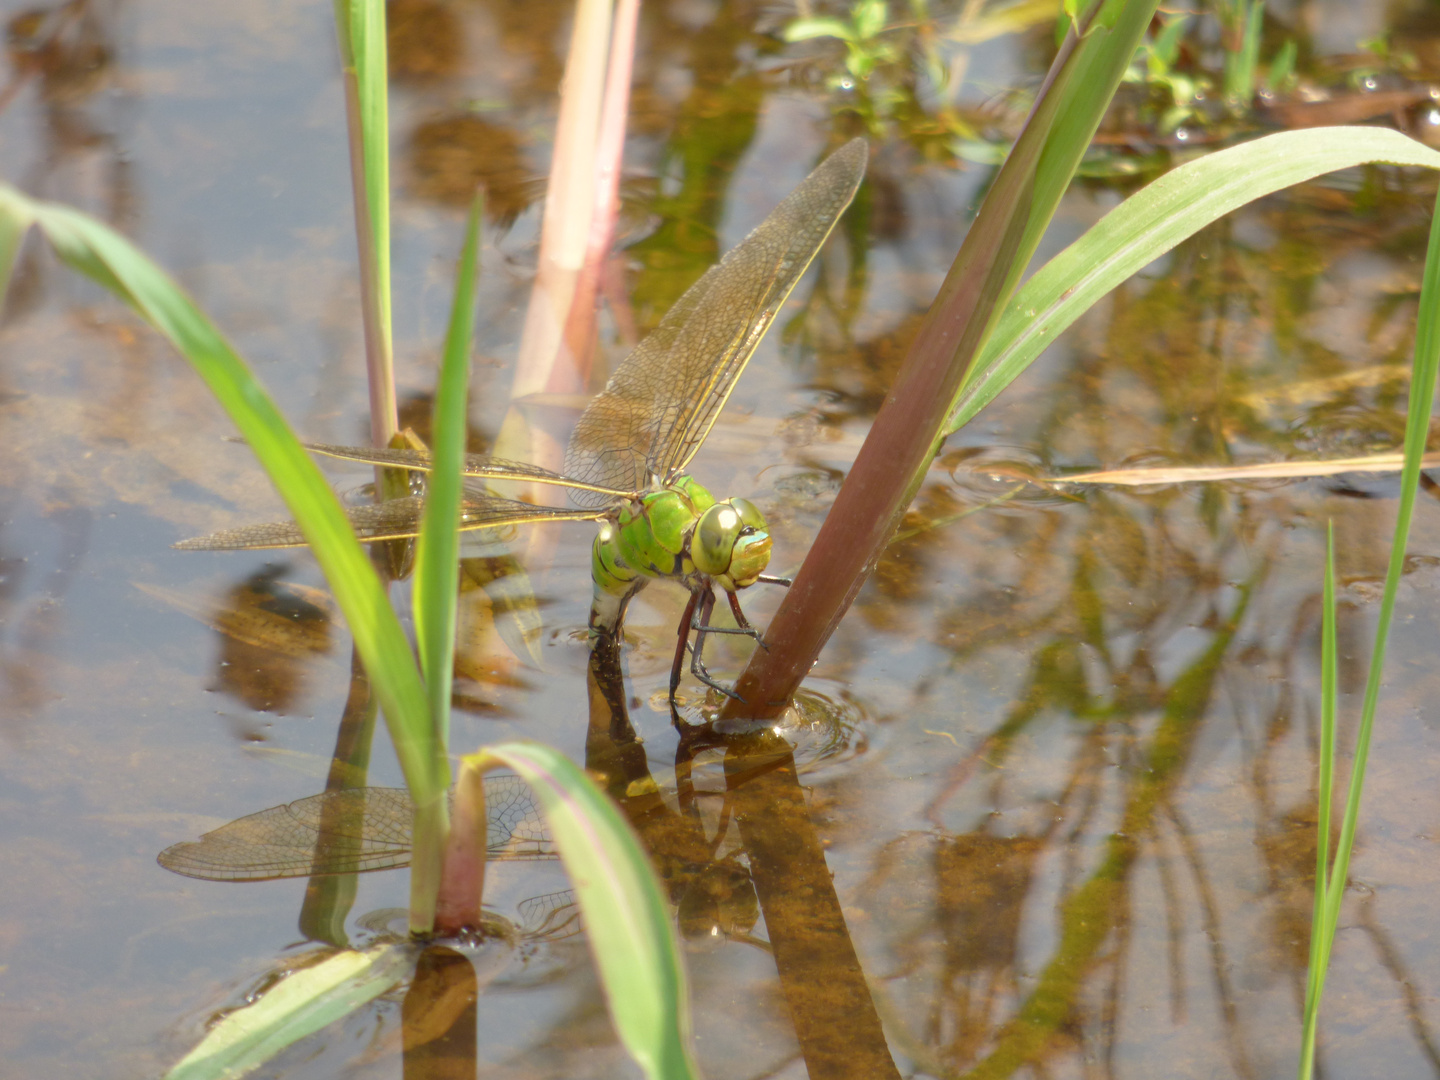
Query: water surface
x=1050, y=809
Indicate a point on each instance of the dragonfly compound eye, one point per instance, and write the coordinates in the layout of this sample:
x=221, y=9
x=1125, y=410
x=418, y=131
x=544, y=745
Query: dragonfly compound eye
x=731, y=544
x=749, y=514
x=714, y=538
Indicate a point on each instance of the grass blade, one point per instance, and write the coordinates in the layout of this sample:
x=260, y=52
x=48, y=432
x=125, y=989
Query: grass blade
x=1325, y=794
x=1153, y=221
x=437, y=554
x=360, y=25
x=14, y=221
x=906, y=434
x=437, y=562
x=299, y=1005
x=108, y=258
x=626, y=917
x=1417, y=429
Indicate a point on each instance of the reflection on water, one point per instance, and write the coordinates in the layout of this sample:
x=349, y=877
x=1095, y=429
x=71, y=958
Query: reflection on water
x=1047, y=805
x=266, y=629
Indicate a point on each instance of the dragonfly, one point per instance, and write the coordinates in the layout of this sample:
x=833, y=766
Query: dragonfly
x=350, y=831
x=626, y=462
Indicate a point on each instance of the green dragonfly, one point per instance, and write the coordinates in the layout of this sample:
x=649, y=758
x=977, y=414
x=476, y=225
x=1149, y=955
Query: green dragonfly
x=625, y=464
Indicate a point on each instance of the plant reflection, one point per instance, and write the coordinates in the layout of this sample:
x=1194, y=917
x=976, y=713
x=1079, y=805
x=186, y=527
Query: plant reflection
x=787, y=881
x=438, y=1017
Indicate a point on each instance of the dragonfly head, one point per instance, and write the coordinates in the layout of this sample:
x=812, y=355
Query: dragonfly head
x=731, y=544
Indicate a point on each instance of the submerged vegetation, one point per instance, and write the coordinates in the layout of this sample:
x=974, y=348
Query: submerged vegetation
x=1206, y=76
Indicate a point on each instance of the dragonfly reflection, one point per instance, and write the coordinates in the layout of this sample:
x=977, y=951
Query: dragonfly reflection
x=349, y=831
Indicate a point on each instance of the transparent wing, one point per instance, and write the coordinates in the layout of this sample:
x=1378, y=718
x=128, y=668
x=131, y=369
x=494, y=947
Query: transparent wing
x=476, y=465
x=551, y=917
x=660, y=404
x=348, y=831
x=395, y=519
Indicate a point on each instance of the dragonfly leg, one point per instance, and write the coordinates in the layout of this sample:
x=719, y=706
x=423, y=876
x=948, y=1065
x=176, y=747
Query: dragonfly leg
x=700, y=623
x=771, y=579
x=744, y=622
x=683, y=633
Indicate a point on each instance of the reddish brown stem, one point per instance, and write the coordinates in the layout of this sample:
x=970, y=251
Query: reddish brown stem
x=907, y=431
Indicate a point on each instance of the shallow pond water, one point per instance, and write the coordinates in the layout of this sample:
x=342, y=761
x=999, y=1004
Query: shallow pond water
x=1046, y=805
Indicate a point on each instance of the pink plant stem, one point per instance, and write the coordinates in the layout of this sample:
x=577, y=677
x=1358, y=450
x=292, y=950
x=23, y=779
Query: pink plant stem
x=579, y=336
x=457, y=907
x=569, y=204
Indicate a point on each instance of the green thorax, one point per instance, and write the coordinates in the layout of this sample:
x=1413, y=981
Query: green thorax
x=681, y=532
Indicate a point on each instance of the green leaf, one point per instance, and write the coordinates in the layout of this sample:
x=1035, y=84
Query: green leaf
x=1166, y=46
x=806, y=29
x=367, y=25
x=626, y=917
x=1153, y=221
x=437, y=554
x=360, y=26
x=1325, y=794
x=298, y=1006
x=108, y=258
x=1282, y=67
x=1417, y=428
x=437, y=560
x=15, y=218
x=870, y=17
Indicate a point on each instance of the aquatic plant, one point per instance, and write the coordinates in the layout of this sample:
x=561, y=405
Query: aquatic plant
x=636, y=944
x=1039, y=313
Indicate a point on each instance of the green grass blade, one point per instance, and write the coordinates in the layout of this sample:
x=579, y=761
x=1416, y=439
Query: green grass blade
x=1240, y=64
x=907, y=432
x=437, y=560
x=1329, y=725
x=626, y=917
x=107, y=257
x=437, y=554
x=371, y=68
x=1152, y=222
x=360, y=25
x=14, y=221
x=299, y=1005
x=1325, y=794
x=1417, y=429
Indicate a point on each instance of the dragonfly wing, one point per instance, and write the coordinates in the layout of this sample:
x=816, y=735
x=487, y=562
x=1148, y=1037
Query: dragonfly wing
x=392, y=520
x=551, y=917
x=348, y=831
x=278, y=843
x=516, y=826
x=400, y=459
x=381, y=817
x=395, y=519
x=476, y=465
x=482, y=510
x=660, y=404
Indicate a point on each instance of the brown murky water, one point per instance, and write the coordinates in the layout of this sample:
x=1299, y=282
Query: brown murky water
x=1048, y=809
